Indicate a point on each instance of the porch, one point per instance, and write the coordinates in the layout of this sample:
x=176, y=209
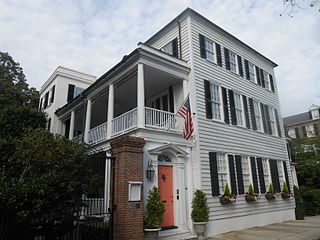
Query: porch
x=145, y=93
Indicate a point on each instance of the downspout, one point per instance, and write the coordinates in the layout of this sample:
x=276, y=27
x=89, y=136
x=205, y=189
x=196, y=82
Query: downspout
x=180, y=44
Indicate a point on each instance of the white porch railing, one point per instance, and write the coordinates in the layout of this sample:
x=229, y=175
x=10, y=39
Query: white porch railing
x=78, y=139
x=163, y=120
x=124, y=122
x=98, y=134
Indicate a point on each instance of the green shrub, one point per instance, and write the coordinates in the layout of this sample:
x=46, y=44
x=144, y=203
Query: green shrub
x=312, y=202
x=299, y=203
x=251, y=190
x=154, y=209
x=227, y=191
x=271, y=189
x=285, y=188
x=200, y=210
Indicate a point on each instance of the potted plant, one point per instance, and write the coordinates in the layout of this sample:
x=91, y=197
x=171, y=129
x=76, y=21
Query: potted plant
x=250, y=196
x=154, y=214
x=227, y=197
x=271, y=194
x=200, y=213
x=285, y=191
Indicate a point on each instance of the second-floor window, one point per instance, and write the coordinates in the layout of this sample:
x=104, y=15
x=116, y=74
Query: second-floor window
x=233, y=61
x=209, y=47
x=215, y=101
x=171, y=48
x=272, y=121
x=238, y=108
x=251, y=72
x=266, y=80
x=257, y=115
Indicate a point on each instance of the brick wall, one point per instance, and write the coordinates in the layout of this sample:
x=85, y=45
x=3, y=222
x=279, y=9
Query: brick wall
x=128, y=166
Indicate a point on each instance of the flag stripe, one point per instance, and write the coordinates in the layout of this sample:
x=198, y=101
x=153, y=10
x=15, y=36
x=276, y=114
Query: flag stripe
x=185, y=112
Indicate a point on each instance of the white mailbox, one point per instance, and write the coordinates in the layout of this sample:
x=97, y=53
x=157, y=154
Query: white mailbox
x=135, y=191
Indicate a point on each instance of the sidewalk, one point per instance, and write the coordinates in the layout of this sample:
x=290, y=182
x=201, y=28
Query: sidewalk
x=308, y=229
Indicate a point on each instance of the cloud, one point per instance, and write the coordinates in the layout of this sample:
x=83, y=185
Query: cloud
x=92, y=36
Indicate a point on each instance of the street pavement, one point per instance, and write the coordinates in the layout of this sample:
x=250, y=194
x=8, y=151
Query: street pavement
x=308, y=229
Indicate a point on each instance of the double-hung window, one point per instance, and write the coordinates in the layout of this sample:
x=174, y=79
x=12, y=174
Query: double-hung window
x=215, y=101
x=238, y=108
x=281, y=173
x=252, y=75
x=222, y=171
x=209, y=48
x=257, y=115
x=272, y=121
x=233, y=61
x=266, y=80
x=266, y=173
x=246, y=172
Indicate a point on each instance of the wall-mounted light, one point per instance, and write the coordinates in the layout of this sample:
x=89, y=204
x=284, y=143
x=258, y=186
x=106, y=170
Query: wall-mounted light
x=150, y=171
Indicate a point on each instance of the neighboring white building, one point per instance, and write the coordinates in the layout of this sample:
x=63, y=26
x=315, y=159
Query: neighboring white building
x=62, y=86
x=239, y=137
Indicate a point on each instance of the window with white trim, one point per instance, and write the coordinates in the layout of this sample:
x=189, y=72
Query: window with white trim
x=281, y=173
x=239, y=108
x=257, y=114
x=233, y=61
x=209, y=47
x=168, y=48
x=77, y=91
x=272, y=121
x=246, y=173
x=252, y=74
x=222, y=171
x=266, y=173
x=215, y=101
x=266, y=80
x=315, y=113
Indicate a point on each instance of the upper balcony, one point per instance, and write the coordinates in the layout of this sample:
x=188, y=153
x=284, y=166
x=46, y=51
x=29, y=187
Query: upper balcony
x=143, y=91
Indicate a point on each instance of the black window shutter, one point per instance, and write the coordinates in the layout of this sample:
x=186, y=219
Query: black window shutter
x=264, y=120
x=207, y=94
x=70, y=92
x=246, y=112
x=246, y=65
x=171, y=99
x=232, y=108
x=254, y=174
x=271, y=82
x=261, y=176
x=266, y=109
x=232, y=175
x=214, y=173
x=202, y=46
x=239, y=174
x=286, y=174
x=253, y=118
x=219, y=58
x=175, y=47
x=240, y=66
x=52, y=93
x=275, y=175
x=262, y=78
x=258, y=76
x=277, y=122
x=226, y=57
x=225, y=105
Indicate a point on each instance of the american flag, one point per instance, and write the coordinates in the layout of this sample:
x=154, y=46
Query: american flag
x=185, y=112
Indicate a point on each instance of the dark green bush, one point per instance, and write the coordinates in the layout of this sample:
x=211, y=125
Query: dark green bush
x=200, y=210
x=312, y=202
x=299, y=203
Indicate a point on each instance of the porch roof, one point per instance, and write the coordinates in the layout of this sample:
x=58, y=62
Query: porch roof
x=144, y=54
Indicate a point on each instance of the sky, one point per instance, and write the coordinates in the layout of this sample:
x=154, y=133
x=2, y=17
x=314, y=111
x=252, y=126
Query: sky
x=92, y=36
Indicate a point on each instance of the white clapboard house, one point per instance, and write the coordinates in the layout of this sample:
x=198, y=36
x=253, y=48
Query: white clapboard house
x=238, y=132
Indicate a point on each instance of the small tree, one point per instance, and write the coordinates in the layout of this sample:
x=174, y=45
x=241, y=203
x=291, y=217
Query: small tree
x=200, y=210
x=285, y=188
x=251, y=190
x=271, y=189
x=154, y=209
x=285, y=191
x=227, y=191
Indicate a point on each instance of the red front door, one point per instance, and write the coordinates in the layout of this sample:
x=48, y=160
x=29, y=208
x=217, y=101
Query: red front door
x=166, y=193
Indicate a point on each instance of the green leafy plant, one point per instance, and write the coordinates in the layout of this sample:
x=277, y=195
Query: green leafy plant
x=250, y=195
x=271, y=194
x=312, y=202
x=200, y=210
x=285, y=191
x=154, y=209
x=299, y=203
x=227, y=197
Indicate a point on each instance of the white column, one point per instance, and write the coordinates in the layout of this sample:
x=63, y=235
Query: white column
x=71, y=130
x=110, y=110
x=140, y=96
x=88, y=120
x=107, y=183
x=185, y=88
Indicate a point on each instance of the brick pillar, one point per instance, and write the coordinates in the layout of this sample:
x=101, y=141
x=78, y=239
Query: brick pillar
x=128, y=166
